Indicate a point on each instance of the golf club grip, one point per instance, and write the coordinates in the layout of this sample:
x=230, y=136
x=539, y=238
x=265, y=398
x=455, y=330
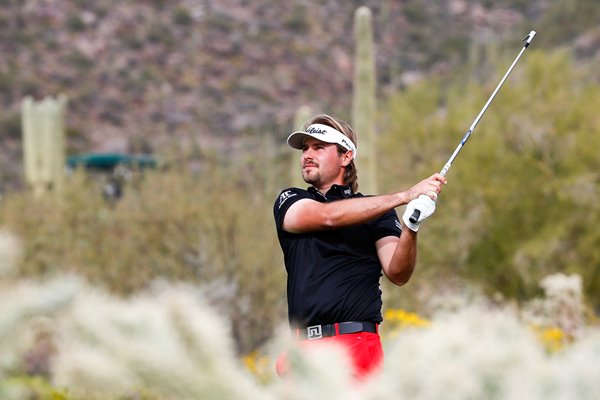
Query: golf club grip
x=415, y=216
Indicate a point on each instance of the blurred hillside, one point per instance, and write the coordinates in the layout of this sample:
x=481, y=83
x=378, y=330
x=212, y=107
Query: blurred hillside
x=154, y=75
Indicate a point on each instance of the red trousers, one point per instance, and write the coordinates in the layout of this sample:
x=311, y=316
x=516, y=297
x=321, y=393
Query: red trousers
x=364, y=350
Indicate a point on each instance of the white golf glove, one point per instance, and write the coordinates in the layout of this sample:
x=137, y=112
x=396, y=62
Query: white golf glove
x=422, y=203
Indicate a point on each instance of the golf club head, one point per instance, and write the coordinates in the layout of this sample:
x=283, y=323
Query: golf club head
x=527, y=39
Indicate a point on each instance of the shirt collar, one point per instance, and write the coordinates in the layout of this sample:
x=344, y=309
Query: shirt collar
x=336, y=192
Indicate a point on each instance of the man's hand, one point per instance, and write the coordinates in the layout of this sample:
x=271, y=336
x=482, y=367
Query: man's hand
x=430, y=187
x=423, y=203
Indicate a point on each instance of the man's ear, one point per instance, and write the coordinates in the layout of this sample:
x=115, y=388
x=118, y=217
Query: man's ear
x=347, y=158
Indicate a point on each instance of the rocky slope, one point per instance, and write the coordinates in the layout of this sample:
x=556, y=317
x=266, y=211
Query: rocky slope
x=147, y=74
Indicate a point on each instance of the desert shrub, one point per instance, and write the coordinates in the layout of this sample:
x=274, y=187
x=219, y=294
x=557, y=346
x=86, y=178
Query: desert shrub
x=85, y=343
x=212, y=228
x=519, y=203
x=64, y=338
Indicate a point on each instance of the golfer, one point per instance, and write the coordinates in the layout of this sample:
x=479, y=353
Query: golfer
x=337, y=242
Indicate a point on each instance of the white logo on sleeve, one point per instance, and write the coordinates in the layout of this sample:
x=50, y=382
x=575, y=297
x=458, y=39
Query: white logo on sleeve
x=286, y=195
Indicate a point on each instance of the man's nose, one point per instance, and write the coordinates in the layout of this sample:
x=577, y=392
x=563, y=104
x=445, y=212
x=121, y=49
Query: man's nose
x=307, y=154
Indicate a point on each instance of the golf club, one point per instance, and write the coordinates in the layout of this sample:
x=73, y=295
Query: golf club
x=527, y=39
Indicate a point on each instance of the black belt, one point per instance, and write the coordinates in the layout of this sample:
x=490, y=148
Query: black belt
x=341, y=328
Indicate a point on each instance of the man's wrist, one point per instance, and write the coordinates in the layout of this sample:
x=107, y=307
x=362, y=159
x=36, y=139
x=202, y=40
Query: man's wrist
x=403, y=198
x=407, y=229
x=407, y=226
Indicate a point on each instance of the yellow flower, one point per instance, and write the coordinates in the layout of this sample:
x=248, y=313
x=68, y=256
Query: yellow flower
x=258, y=365
x=553, y=338
x=405, y=319
x=397, y=320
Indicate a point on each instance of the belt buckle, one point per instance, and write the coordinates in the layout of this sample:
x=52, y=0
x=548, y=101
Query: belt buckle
x=314, y=332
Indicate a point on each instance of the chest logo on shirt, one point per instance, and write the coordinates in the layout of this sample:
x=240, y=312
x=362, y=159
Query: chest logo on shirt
x=286, y=195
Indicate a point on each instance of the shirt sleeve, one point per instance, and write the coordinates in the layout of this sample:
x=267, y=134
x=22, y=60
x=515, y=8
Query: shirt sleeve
x=284, y=201
x=387, y=225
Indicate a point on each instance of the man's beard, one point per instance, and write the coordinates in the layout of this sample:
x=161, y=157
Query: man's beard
x=311, y=178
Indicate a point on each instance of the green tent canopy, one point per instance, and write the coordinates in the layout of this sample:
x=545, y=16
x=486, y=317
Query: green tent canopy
x=108, y=161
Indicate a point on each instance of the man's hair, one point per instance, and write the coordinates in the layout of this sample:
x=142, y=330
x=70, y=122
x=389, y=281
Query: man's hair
x=350, y=171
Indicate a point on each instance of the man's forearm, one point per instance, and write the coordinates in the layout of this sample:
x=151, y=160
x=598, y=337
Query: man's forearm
x=404, y=259
x=359, y=210
x=306, y=215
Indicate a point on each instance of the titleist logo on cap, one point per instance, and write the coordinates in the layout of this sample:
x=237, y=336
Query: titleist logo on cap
x=324, y=133
x=314, y=129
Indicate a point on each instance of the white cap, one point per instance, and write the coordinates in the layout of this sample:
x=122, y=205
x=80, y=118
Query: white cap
x=323, y=133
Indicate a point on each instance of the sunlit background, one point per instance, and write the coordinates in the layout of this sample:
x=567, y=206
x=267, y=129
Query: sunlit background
x=143, y=147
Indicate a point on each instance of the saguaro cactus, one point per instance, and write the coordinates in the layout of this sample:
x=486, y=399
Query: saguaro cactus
x=44, y=142
x=302, y=115
x=364, y=101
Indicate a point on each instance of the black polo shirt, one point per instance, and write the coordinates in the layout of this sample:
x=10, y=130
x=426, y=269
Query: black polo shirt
x=333, y=275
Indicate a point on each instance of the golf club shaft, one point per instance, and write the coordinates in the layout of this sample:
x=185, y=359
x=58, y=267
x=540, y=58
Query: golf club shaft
x=416, y=213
